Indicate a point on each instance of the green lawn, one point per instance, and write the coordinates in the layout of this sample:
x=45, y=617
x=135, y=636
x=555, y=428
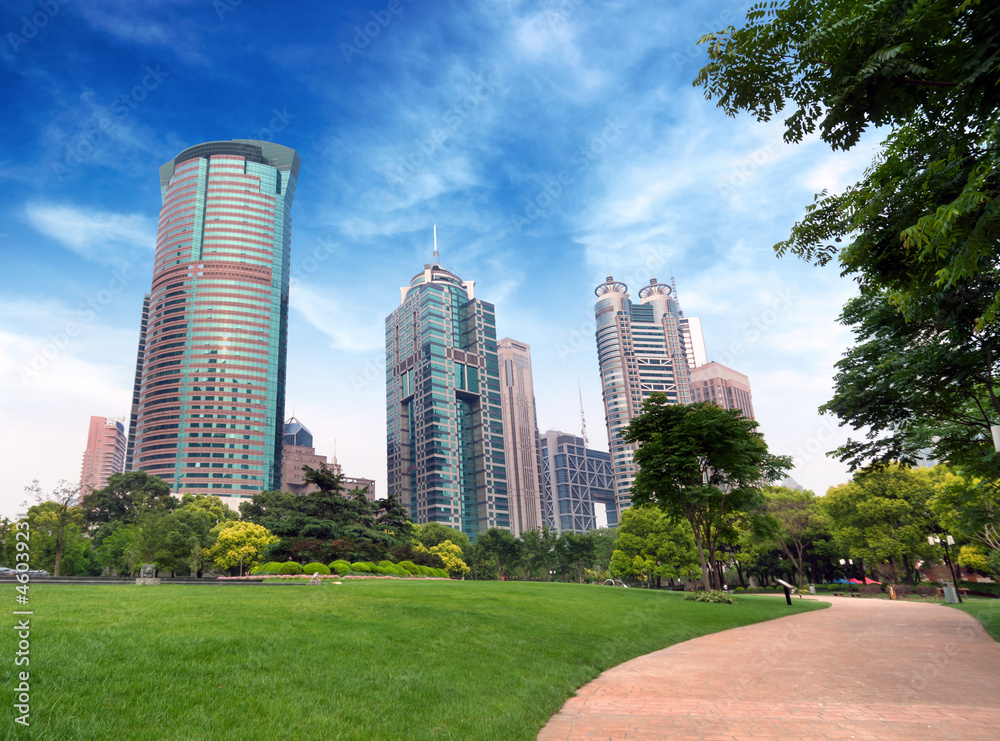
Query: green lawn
x=365, y=660
x=986, y=611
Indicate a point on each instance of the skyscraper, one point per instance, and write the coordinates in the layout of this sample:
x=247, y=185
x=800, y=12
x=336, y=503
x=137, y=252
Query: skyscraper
x=211, y=399
x=137, y=384
x=520, y=434
x=105, y=453
x=445, y=441
x=574, y=481
x=723, y=386
x=640, y=350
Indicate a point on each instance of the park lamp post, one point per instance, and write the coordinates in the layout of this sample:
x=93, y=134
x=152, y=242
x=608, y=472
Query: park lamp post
x=947, y=541
x=995, y=430
x=851, y=562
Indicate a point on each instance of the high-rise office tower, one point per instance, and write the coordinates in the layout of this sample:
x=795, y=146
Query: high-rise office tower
x=105, y=453
x=520, y=434
x=444, y=425
x=137, y=385
x=694, y=341
x=575, y=482
x=211, y=399
x=641, y=350
x=723, y=386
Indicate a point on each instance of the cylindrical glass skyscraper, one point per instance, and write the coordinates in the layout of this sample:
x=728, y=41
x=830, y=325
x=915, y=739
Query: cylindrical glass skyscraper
x=212, y=384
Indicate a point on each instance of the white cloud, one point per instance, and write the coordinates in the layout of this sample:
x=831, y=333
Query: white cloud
x=100, y=236
x=347, y=321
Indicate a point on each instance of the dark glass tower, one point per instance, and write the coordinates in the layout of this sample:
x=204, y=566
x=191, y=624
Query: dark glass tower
x=211, y=402
x=444, y=424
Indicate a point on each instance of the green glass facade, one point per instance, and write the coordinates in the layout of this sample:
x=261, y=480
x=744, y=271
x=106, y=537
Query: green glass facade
x=444, y=425
x=211, y=400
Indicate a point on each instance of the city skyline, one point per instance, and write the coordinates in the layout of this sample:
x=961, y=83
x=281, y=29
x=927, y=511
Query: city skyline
x=550, y=146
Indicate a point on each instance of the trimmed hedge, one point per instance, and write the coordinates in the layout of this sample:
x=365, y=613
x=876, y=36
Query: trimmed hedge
x=312, y=568
x=271, y=567
x=290, y=569
x=340, y=566
x=714, y=596
x=409, y=567
x=361, y=567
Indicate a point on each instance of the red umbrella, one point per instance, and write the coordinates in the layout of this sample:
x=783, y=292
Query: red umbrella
x=867, y=581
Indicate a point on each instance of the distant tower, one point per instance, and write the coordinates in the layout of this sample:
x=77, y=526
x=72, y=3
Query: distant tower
x=445, y=442
x=575, y=482
x=583, y=418
x=520, y=433
x=722, y=386
x=105, y=453
x=210, y=409
x=641, y=351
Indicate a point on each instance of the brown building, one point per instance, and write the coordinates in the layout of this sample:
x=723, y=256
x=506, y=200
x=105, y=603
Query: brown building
x=298, y=451
x=723, y=386
x=105, y=453
x=520, y=436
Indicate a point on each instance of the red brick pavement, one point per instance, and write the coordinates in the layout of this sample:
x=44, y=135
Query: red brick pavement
x=862, y=669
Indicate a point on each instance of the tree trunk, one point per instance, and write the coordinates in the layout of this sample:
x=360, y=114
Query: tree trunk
x=55, y=569
x=701, y=556
x=739, y=573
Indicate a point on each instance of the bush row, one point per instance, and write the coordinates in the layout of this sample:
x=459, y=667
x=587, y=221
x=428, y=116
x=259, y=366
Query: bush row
x=341, y=568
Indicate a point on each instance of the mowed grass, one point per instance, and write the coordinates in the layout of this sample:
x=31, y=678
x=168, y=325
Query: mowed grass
x=364, y=660
x=986, y=611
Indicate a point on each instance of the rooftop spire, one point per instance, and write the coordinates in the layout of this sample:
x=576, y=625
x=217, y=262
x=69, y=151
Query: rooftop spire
x=583, y=419
x=435, y=243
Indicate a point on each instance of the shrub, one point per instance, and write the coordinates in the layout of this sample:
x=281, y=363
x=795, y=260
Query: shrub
x=715, y=596
x=409, y=567
x=312, y=568
x=290, y=568
x=902, y=590
x=925, y=590
x=441, y=573
x=360, y=566
x=340, y=566
x=372, y=567
x=870, y=589
x=271, y=567
x=386, y=564
x=739, y=589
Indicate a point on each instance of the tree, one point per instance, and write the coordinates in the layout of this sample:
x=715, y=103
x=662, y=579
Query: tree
x=327, y=481
x=451, y=556
x=968, y=508
x=121, y=551
x=536, y=549
x=239, y=544
x=700, y=463
x=55, y=517
x=797, y=523
x=651, y=546
x=925, y=216
x=394, y=519
x=499, y=547
x=433, y=533
x=924, y=382
x=214, y=508
x=883, y=516
x=126, y=499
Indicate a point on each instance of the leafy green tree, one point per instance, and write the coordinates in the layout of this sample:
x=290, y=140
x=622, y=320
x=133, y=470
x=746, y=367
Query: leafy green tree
x=650, y=546
x=239, y=545
x=433, y=533
x=797, y=523
x=925, y=216
x=216, y=510
x=702, y=464
x=499, y=547
x=537, y=552
x=451, y=556
x=604, y=546
x=966, y=507
x=54, y=521
x=883, y=517
x=177, y=540
x=121, y=551
x=327, y=481
x=126, y=499
x=574, y=553
x=394, y=519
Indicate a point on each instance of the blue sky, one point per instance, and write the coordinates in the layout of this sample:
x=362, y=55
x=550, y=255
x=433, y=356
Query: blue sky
x=551, y=143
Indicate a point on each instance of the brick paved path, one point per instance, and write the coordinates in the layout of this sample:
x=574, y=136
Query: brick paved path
x=862, y=669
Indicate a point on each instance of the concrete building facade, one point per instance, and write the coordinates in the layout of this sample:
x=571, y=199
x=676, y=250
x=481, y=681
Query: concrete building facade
x=445, y=442
x=722, y=386
x=211, y=400
x=520, y=432
x=104, y=455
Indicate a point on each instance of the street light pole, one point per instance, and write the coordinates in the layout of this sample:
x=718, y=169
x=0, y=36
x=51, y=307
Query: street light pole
x=946, y=541
x=843, y=562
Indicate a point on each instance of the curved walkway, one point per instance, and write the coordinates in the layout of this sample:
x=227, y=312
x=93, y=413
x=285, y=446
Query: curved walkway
x=862, y=669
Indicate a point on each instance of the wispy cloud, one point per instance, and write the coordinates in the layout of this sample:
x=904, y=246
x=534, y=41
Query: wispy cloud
x=100, y=236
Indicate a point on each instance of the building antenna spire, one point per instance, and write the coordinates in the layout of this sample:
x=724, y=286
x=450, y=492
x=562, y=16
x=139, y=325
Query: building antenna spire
x=435, y=243
x=583, y=419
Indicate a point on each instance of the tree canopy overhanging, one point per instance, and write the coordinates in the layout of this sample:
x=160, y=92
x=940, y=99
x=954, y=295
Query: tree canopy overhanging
x=925, y=214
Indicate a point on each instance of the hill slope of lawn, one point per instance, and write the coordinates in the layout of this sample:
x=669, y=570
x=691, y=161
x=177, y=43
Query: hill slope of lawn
x=986, y=611
x=364, y=660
